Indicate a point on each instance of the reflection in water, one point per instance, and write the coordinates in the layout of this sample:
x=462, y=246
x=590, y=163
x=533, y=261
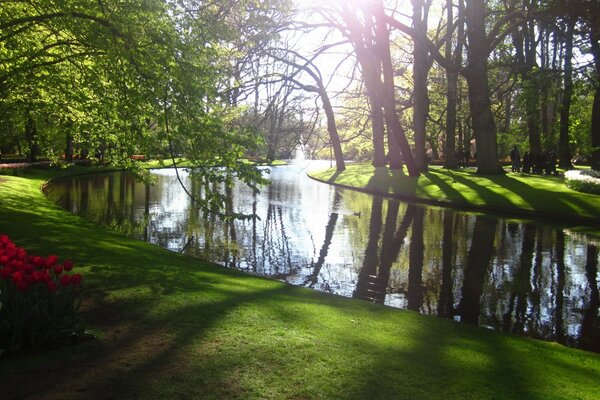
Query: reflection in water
x=527, y=278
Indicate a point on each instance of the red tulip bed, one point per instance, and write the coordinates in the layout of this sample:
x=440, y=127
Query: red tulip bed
x=39, y=298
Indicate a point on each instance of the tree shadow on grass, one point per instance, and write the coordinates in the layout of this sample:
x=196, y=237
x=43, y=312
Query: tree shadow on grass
x=172, y=328
x=449, y=191
x=394, y=181
x=514, y=189
x=488, y=196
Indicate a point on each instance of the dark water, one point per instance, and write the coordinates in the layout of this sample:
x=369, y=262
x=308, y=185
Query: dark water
x=529, y=278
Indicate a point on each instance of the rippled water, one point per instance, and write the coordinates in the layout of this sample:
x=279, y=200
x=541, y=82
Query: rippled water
x=528, y=278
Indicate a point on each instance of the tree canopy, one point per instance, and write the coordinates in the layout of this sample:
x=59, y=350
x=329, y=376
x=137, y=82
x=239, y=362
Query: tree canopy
x=213, y=81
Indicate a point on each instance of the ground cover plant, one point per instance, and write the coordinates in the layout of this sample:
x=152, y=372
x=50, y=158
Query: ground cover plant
x=526, y=194
x=586, y=181
x=169, y=326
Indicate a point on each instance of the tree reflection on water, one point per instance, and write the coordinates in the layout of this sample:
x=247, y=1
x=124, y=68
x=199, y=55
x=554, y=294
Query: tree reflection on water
x=527, y=278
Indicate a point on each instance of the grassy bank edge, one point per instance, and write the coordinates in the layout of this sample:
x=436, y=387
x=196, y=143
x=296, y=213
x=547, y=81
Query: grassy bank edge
x=328, y=346
x=511, y=195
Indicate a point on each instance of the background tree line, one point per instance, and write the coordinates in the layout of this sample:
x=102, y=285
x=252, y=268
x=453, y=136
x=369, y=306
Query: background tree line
x=441, y=79
x=397, y=82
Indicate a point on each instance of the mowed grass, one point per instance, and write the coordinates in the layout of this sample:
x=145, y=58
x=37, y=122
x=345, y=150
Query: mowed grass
x=515, y=193
x=170, y=326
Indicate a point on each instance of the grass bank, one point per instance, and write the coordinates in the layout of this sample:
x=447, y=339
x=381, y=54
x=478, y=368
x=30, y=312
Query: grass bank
x=170, y=326
x=514, y=193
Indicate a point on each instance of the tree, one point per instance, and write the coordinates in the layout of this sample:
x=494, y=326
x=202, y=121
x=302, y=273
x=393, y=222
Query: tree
x=421, y=66
x=307, y=66
x=476, y=74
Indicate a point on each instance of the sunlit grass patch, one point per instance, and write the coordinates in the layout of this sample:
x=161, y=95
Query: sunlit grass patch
x=536, y=194
x=170, y=326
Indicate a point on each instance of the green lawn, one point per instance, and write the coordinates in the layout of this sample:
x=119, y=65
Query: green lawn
x=516, y=193
x=169, y=326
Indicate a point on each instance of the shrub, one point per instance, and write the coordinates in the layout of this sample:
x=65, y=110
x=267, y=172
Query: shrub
x=586, y=181
x=39, y=299
x=14, y=169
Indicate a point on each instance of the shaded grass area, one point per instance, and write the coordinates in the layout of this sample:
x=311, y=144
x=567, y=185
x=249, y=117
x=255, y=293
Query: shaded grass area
x=171, y=326
x=513, y=192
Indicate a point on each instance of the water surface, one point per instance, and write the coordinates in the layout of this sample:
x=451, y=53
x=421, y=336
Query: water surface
x=529, y=278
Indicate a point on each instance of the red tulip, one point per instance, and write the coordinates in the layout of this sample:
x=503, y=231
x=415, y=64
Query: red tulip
x=38, y=261
x=76, y=279
x=51, y=260
x=64, y=280
x=38, y=276
x=58, y=269
x=68, y=265
x=17, y=276
x=27, y=268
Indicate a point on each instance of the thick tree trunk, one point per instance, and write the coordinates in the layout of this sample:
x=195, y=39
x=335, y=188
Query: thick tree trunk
x=389, y=99
x=32, y=140
x=564, y=153
x=362, y=39
x=451, y=159
x=373, y=85
x=476, y=74
x=595, y=42
x=420, y=91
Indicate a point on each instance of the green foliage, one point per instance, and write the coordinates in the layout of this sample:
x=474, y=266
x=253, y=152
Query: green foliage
x=108, y=80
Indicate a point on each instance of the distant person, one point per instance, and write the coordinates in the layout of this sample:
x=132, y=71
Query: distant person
x=540, y=163
x=515, y=159
x=526, y=163
x=459, y=155
x=550, y=167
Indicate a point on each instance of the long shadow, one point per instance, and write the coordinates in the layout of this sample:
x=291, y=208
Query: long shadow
x=517, y=187
x=483, y=192
x=386, y=179
x=402, y=353
x=446, y=188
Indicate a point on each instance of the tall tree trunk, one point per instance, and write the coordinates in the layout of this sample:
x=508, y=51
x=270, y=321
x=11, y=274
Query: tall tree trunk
x=31, y=137
x=373, y=85
x=334, y=137
x=69, y=145
x=564, y=153
x=476, y=74
x=362, y=39
x=451, y=160
x=531, y=86
x=420, y=72
x=389, y=99
x=595, y=44
x=451, y=94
